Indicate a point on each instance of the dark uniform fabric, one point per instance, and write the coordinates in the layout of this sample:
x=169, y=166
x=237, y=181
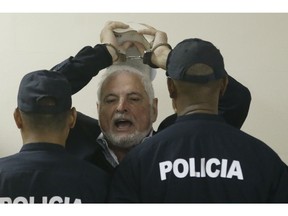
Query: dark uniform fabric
x=79, y=70
x=82, y=140
x=233, y=107
x=46, y=173
x=200, y=158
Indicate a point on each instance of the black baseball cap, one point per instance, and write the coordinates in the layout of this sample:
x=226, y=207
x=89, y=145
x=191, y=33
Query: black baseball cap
x=194, y=51
x=41, y=84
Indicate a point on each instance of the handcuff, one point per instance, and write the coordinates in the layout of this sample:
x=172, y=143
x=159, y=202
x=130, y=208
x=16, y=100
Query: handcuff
x=146, y=57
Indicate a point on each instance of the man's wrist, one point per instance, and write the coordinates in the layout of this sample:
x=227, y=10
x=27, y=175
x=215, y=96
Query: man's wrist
x=147, y=57
x=114, y=52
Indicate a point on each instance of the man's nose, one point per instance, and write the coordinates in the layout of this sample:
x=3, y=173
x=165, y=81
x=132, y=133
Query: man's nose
x=122, y=106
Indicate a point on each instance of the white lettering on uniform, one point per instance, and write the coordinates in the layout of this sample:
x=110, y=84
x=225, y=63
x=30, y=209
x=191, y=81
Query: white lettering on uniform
x=56, y=199
x=212, y=168
x=235, y=170
x=31, y=199
x=223, y=168
x=203, y=174
x=209, y=167
x=192, y=167
x=176, y=171
x=165, y=167
x=5, y=200
x=77, y=201
x=20, y=200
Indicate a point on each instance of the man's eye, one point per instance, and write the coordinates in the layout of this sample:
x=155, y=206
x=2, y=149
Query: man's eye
x=109, y=100
x=135, y=99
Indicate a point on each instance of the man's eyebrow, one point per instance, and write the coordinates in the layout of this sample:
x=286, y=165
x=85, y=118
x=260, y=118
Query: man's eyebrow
x=135, y=93
x=110, y=94
x=128, y=94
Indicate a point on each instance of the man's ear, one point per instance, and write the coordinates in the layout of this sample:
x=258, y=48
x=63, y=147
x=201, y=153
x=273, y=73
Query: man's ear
x=73, y=117
x=155, y=109
x=18, y=118
x=171, y=88
x=224, y=85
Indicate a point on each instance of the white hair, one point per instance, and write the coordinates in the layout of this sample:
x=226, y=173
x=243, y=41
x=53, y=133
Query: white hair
x=121, y=68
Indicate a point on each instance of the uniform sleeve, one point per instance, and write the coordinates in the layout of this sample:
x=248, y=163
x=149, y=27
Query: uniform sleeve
x=235, y=103
x=87, y=63
x=79, y=70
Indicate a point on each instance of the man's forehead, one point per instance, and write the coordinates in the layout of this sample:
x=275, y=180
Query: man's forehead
x=124, y=84
x=125, y=94
x=122, y=77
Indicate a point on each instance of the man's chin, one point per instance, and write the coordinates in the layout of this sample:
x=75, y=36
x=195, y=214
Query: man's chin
x=126, y=141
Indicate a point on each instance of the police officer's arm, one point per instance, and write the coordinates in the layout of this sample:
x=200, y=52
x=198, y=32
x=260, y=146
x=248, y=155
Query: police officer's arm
x=235, y=103
x=87, y=63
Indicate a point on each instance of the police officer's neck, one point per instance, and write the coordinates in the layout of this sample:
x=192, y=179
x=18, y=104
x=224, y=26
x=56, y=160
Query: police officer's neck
x=38, y=138
x=198, y=108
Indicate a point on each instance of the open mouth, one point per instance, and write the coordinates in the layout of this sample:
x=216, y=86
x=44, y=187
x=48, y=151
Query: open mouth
x=123, y=123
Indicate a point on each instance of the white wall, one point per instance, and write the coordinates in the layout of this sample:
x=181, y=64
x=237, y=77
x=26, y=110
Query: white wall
x=254, y=47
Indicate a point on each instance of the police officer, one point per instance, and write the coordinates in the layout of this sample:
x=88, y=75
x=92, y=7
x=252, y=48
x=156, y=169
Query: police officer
x=200, y=158
x=43, y=172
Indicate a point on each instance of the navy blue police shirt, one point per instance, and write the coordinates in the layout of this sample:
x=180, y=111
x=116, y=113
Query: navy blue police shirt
x=46, y=173
x=200, y=158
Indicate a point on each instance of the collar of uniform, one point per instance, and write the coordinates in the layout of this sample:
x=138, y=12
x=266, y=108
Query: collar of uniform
x=42, y=146
x=200, y=116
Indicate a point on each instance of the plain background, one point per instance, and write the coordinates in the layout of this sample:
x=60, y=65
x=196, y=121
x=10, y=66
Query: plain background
x=254, y=46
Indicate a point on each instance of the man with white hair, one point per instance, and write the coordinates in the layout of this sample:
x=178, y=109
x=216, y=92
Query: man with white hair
x=127, y=109
x=126, y=104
